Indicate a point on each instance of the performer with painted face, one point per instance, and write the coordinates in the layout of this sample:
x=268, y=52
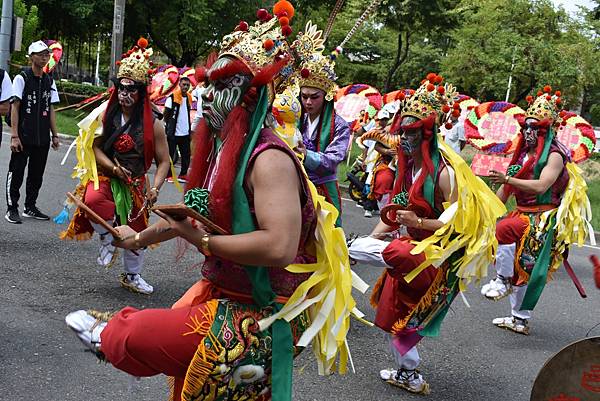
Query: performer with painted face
x=449, y=215
x=325, y=135
x=234, y=334
x=550, y=214
x=118, y=144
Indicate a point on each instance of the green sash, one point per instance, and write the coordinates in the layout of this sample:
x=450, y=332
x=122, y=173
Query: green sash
x=262, y=292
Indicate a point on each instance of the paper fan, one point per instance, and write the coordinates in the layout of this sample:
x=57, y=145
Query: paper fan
x=351, y=100
x=466, y=102
x=56, y=51
x=163, y=83
x=493, y=127
x=578, y=135
x=190, y=74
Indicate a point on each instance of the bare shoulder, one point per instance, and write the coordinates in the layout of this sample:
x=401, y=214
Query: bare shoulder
x=274, y=166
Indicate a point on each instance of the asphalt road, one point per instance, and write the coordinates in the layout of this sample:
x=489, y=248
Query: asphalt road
x=44, y=278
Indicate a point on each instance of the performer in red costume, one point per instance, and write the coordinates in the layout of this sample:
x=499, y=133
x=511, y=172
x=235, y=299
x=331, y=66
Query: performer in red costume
x=234, y=334
x=445, y=209
x=131, y=139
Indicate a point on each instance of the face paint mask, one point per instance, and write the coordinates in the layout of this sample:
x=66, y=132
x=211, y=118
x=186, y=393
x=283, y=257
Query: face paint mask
x=531, y=134
x=127, y=93
x=222, y=96
x=410, y=141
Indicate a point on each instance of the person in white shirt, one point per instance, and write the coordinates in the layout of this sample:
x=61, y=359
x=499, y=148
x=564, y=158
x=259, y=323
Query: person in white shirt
x=178, y=125
x=455, y=136
x=32, y=120
x=5, y=94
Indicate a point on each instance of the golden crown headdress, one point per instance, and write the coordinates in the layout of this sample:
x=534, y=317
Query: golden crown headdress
x=431, y=97
x=136, y=63
x=545, y=105
x=260, y=45
x=315, y=70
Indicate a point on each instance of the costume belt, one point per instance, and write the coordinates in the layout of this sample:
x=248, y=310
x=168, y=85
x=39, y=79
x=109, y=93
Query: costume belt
x=535, y=208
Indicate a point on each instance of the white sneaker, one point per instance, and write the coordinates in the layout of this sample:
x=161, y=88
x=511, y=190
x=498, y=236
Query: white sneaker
x=107, y=255
x=497, y=289
x=511, y=323
x=135, y=283
x=368, y=213
x=87, y=328
x=409, y=380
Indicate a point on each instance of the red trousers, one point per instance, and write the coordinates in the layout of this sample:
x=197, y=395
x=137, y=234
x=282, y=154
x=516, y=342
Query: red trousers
x=102, y=203
x=151, y=341
x=398, y=297
x=510, y=229
x=384, y=182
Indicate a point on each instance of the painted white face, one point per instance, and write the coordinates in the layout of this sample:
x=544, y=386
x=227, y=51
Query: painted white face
x=128, y=92
x=530, y=131
x=410, y=140
x=222, y=95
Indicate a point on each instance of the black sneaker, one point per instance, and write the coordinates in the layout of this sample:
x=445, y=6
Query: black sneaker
x=34, y=212
x=12, y=216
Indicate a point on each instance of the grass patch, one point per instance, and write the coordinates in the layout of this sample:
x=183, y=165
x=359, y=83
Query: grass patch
x=346, y=166
x=594, y=195
x=66, y=121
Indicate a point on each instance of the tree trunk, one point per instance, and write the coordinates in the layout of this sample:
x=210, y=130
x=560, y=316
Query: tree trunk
x=401, y=54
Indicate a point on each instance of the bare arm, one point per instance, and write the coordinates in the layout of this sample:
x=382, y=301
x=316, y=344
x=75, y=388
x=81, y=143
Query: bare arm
x=276, y=186
x=4, y=107
x=14, y=118
x=548, y=177
x=53, y=121
x=161, y=154
x=277, y=206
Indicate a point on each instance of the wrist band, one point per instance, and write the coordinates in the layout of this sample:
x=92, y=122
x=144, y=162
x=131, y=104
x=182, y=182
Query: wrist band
x=136, y=240
x=204, y=248
x=419, y=222
x=155, y=189
x=506, y=179
x=114, y=169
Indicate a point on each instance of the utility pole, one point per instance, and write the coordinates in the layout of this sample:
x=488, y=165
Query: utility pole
x=512, y=67
x=116, y=48
x=5, y=33
x=97, y=74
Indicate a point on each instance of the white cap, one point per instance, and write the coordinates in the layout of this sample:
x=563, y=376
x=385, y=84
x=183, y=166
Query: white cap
x=381, y=114
x=37, y=47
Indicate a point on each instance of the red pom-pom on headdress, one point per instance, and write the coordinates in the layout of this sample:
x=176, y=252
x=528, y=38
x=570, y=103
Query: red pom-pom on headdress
x=557, y=93
x=445, y=108
x=431, y=77
x=283, y=6
x=441, y=90
x=430, y=87
x=286, y=30
x=243, y=26
x=305, y=73
x=455, y=113
x=142, y=43
x=438, y=79
x=268, y=44
x=547, y=89
x=548, y=97
x=539, y=93
x=558, y=100
x=455, y=106
x=529, y=99
x=448, y=125
x=284, y=21
x=262, y=14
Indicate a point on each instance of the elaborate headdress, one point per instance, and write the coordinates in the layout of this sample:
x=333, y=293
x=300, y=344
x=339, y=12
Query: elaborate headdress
x=264, y=44
x=545, y=106
x=315, y=70
x=431, y=98
x=136, y=63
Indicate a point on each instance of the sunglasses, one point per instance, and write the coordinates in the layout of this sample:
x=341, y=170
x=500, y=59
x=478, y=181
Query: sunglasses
x=127, y=88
